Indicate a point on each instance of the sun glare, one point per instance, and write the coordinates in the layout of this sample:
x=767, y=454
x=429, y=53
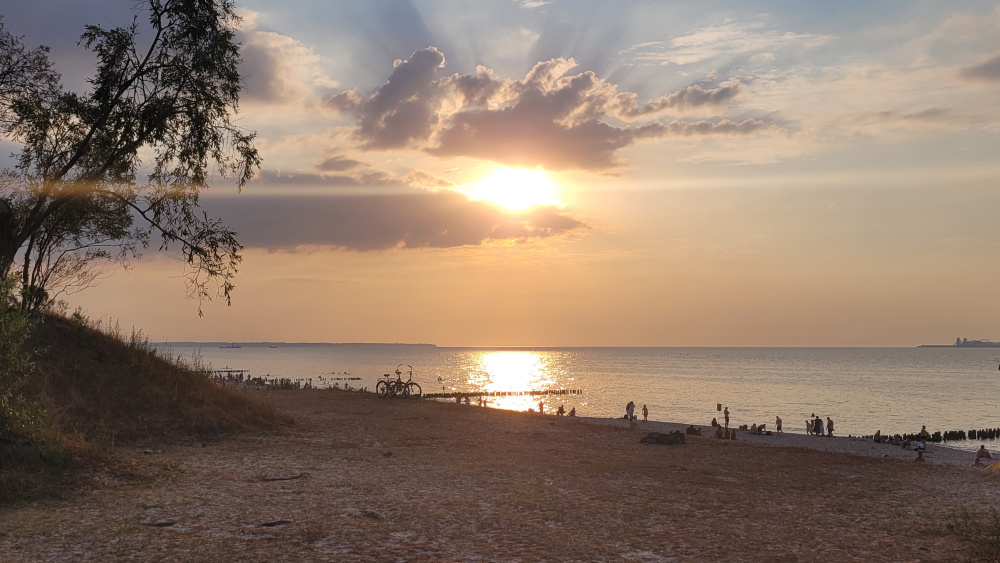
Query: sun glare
x=516, y=189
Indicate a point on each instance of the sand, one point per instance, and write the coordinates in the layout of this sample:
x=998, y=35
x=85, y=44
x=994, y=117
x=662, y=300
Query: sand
x=934, y=453
x=366, y=479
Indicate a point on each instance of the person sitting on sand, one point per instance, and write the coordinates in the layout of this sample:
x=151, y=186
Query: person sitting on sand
x=981, y=456
x=920, y=456
x=572, y=411
x=715, y=423
x=777, y=425
x=924, y=434
x=906, y=445
x=753, y=429
x=718, y=433
x=878, y=437
x=692, y=431
x=829, y=427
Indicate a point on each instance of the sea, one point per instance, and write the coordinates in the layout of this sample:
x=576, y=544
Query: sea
x=895, y=390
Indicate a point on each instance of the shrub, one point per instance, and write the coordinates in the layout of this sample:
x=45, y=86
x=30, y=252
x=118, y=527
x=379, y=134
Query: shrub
x=981, y=528
x=16, y=413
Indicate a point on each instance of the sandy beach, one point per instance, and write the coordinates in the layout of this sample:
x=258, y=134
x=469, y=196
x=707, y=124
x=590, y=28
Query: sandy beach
x=934, y=453
x=359, y=478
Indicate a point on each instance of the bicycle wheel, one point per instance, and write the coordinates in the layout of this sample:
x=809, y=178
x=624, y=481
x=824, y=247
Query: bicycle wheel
x=393, y=388
x=413, y=389
x=381, y=389
x=404, y=390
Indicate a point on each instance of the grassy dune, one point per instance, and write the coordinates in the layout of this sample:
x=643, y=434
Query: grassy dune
x=96, y=389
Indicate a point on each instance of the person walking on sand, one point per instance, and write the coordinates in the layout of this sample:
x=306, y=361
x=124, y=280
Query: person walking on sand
x=829, y=427
x=777, y=425
x=726, y=413
x=645, y=413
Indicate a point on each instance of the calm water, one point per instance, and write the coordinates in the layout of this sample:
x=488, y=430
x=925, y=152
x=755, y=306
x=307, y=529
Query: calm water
x=862, y=389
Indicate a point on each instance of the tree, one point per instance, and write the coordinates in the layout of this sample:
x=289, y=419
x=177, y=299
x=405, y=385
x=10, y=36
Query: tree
x=161, y=102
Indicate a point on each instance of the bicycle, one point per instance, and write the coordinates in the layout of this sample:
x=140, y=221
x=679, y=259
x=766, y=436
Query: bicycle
x=382, y=388
x=408, y=388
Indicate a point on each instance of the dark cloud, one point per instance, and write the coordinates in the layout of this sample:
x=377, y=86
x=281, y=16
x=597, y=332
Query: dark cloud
x=365, y=223
x=548, y=118
x=348, y=101
x=690, y=98
x=400, y=110
x=277, y=179
x=517, y=136
x=339, y=164
x=706, y=127
x=987, y=71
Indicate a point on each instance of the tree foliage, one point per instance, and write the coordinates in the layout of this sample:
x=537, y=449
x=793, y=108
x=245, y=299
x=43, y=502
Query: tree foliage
x=161, y=104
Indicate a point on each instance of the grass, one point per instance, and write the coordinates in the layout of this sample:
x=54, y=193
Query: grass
x=981, y=529
x=96, y=388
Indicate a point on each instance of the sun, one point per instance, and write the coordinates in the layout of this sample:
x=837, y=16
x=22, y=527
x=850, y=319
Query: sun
x=516, y=189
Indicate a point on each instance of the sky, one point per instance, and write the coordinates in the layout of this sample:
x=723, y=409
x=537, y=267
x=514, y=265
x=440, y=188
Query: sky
x=593, y=173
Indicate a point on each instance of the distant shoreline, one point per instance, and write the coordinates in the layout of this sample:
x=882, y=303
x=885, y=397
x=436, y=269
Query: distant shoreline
x=969, y=345
x=230, y=344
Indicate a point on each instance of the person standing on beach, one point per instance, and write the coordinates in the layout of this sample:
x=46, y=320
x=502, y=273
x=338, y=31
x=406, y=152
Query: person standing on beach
x=777, y=425
x=829, y=427
x=645, y=413
x=819, y=426
x=541, y=407
x=726, y=413
x=630, y=410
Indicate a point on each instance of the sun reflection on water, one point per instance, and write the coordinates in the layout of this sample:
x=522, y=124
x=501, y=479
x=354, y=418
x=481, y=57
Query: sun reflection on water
x=512, y=371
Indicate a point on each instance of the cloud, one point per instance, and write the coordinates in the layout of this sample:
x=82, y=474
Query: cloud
x=397, y=112
x=272, y=178
x=727, y=40
x=549, y=118
x=278, y=69
x=690, y=98
x=442, y=219
x=531, y=4
x=987, y=71
x=338, y=164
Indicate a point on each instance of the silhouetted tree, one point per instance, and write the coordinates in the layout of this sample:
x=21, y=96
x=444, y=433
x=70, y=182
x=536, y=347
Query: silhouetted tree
x=160, y=102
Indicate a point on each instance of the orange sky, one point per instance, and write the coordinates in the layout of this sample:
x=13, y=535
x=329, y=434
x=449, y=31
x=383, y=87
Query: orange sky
x=721, y=175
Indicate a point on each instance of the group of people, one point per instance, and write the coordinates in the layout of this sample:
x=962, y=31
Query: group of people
x=630, y=412
x=561, y=411
x=815, y=427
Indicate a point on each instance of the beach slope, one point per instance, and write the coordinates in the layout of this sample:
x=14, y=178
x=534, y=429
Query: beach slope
x=359, y=478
